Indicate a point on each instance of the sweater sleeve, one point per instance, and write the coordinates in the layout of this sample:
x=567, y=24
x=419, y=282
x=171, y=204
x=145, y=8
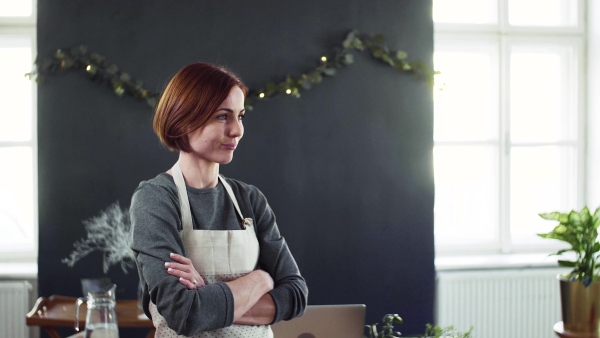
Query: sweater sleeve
x=155, y=219
x=290, y=293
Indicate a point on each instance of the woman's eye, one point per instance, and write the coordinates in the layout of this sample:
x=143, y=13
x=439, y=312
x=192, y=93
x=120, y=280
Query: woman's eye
x=241, y=116
x=222, y=117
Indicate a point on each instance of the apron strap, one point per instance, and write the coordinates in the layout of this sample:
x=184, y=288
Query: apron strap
x=232, y=196
x=184, y=202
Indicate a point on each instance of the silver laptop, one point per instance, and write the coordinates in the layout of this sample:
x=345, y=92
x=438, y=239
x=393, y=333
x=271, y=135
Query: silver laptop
x=325, y=321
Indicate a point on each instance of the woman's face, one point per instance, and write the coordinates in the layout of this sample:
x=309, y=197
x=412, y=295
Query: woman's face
x=216, y=140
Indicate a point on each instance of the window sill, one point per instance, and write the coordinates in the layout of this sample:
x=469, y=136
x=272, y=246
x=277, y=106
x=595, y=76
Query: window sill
x=18, y=270
x=498, y=261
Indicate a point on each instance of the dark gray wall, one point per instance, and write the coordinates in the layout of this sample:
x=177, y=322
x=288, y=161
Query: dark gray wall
x=347, y=168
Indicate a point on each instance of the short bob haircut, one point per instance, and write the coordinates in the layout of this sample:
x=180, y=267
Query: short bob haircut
x=191, y=97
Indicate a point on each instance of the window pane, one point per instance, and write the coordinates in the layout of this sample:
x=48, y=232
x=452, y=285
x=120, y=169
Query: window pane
x=15, y=89
x=465, y=11
x=542, y=12
x=15, y=8
x=543, y=104
x=16, y=199
x=466, y=194
x=466, y=109
x=543, y=179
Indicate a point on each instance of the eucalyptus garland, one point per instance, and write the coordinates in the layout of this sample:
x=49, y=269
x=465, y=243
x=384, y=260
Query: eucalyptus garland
x=100, y=70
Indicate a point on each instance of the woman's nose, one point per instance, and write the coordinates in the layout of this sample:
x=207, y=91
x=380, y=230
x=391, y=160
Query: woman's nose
x=236, y=129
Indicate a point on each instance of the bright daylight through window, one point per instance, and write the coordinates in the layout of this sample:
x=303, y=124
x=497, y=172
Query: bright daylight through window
x=508, y=126
x=18, y=149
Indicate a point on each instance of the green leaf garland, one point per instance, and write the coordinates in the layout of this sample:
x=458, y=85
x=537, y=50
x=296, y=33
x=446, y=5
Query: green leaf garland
x=100, y=70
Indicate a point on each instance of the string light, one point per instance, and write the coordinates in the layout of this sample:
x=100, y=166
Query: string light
x=122, y=84
x=91, y=69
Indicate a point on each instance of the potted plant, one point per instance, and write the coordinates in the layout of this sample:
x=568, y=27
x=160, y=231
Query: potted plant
x=431, y=331
x=387, y=329
x=579, y=289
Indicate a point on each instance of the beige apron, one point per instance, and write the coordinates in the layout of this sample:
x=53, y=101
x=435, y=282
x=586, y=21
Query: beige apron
x=218, y=256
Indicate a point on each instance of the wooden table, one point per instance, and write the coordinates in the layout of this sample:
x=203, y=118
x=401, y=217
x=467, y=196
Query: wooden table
x=59, y=311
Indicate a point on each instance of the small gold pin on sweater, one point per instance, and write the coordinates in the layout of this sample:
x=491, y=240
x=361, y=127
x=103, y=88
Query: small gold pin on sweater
x=247, y=222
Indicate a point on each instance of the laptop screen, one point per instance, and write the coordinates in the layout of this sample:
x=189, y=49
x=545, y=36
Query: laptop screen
x=325, y=321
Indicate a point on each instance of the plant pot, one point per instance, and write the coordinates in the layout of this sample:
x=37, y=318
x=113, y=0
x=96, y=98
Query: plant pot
x=580, y=306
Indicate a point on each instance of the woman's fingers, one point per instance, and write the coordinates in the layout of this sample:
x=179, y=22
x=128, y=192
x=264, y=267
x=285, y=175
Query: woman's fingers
x=177, y=272
x=189, y=280
x=181, y=259
x=183, y=268
x=177, y=266
x=200, y=281
x=187, y=283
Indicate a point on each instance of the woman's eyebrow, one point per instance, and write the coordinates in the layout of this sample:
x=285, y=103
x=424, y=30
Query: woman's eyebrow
x=229, y=110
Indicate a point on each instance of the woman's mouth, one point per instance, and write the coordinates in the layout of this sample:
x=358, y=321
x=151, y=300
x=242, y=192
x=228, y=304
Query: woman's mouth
x=230, y=146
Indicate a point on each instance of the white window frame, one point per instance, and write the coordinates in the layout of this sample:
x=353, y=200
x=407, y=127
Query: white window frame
x=587, y=186
x=592, y=185
x=19, y=27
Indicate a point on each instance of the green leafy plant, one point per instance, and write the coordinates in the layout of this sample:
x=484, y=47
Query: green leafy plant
x=342, y=56
x=448, y=331
x=580, y=230
x=387, y=329
x=431, y=331
x=99, y=69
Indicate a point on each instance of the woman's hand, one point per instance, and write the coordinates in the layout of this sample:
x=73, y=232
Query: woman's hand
x=247, y=291
x=183, y=268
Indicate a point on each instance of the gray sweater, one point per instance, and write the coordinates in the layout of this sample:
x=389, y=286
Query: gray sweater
x=156, y=222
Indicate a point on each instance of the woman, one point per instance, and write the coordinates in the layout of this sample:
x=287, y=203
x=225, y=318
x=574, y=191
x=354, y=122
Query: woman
x=209, y=254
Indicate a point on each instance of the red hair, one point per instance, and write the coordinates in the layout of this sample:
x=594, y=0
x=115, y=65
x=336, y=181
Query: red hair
x=192, y=95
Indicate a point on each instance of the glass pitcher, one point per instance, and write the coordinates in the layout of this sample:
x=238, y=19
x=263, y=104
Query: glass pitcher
x=101, y=319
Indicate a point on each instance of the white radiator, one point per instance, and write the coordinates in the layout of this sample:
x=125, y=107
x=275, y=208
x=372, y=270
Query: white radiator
x=14, y=305
x=499, y=303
